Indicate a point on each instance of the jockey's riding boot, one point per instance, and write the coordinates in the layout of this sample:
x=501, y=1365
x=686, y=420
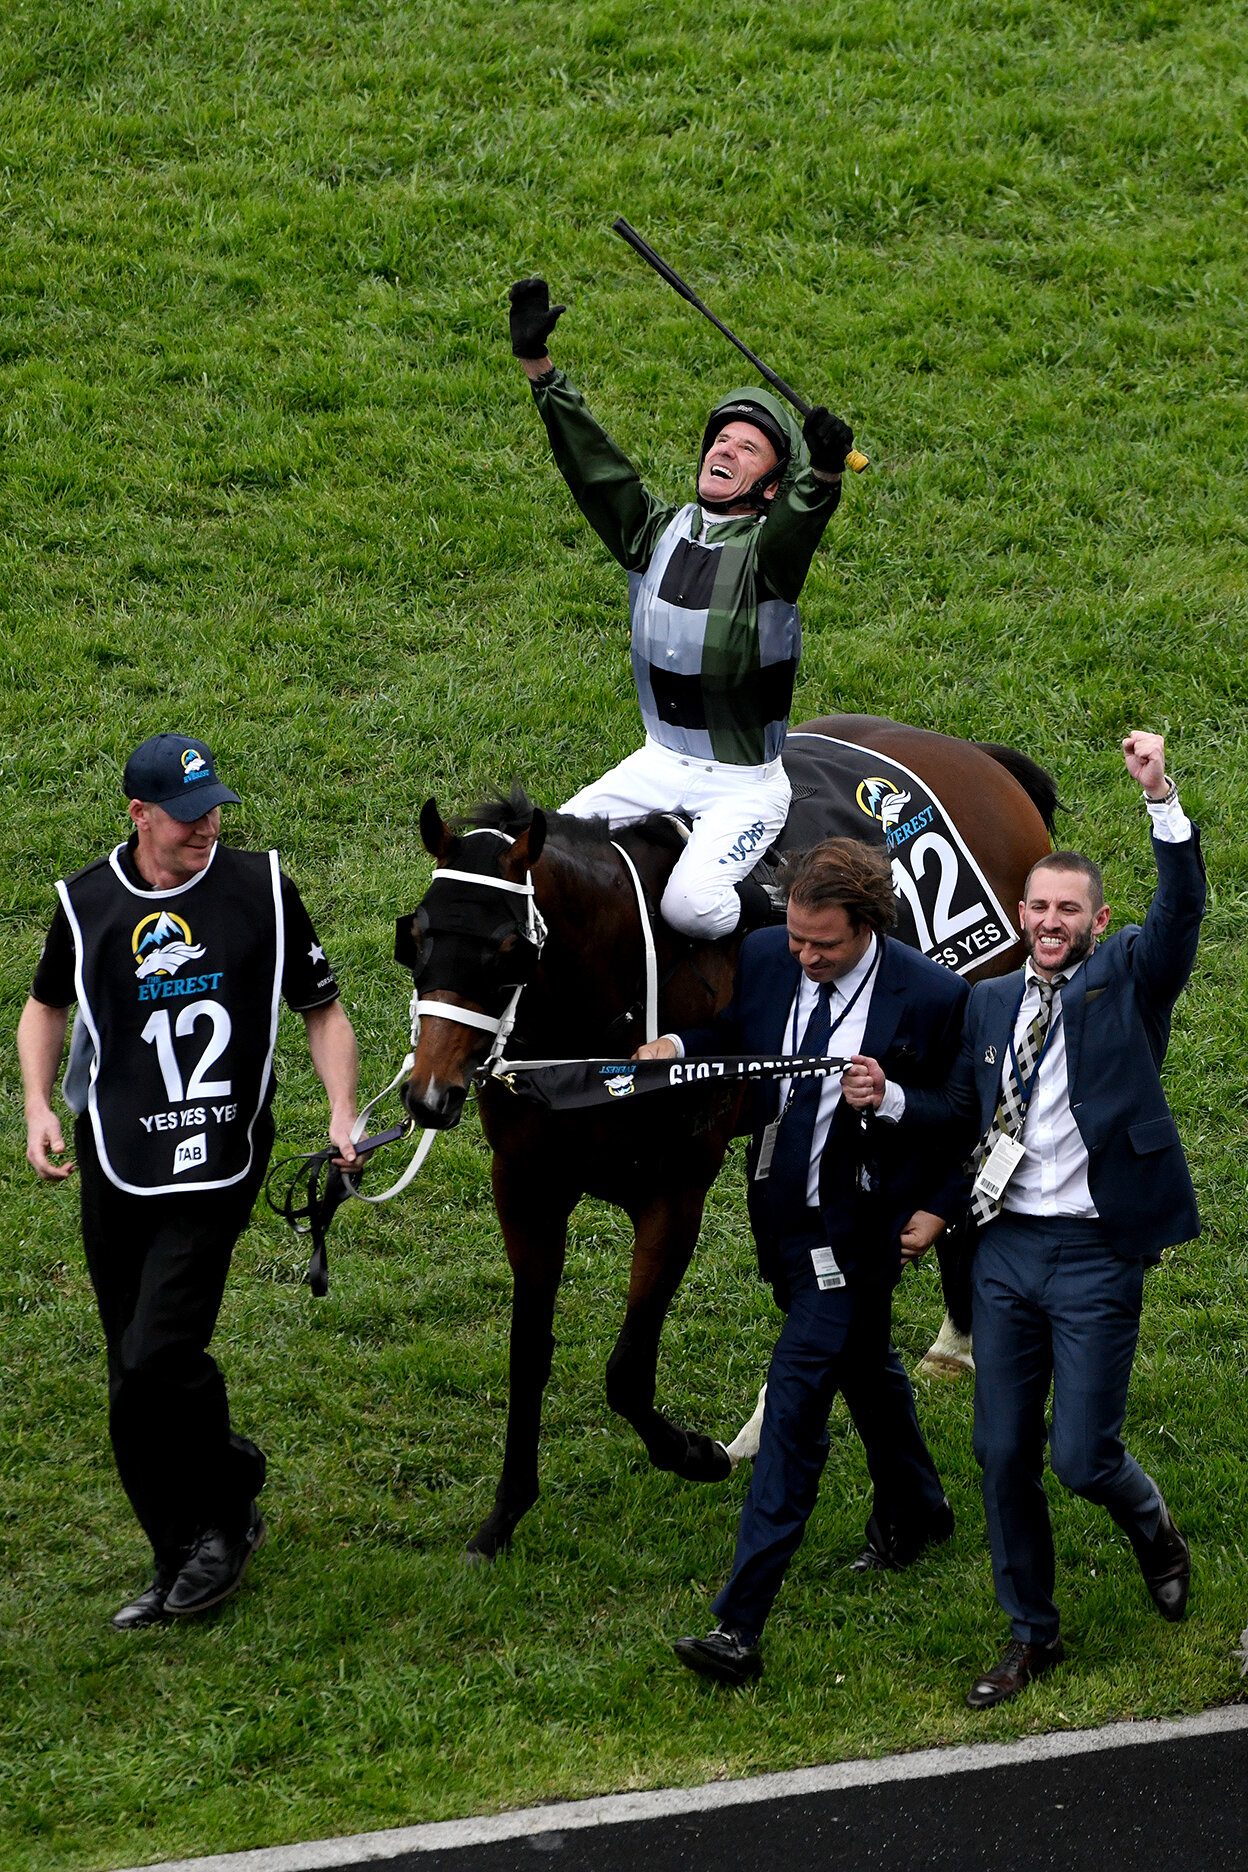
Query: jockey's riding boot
x=762, y=904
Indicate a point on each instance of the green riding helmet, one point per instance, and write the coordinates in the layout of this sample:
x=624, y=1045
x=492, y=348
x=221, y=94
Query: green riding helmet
x=776, y=421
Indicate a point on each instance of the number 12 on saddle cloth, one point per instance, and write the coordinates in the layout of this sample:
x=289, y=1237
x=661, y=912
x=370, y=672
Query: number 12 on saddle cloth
x=946, y=906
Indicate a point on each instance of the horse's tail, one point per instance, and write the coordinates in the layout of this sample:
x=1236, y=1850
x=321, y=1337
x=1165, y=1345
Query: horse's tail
x=1039, y=786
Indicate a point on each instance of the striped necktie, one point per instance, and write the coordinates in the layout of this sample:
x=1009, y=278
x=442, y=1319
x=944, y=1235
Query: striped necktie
x=1011, y=1113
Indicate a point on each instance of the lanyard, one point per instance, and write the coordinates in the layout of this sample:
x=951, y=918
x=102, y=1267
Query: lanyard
x=1027, y=1090
x=844, y=1015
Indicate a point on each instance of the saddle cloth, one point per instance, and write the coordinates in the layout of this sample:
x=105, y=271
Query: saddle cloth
x=946, y=907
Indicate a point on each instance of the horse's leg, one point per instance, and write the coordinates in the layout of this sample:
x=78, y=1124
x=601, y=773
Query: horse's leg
x=666, y=1234
x=744, y=1446
x=535, y=1231
x=949, y=1354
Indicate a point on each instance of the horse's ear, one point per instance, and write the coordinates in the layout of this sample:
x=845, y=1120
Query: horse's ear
x=433, y=831
x=528, y=847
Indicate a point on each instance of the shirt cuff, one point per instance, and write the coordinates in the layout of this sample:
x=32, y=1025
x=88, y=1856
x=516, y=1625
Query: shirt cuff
x=677, y=1042
x=1171, y=825
x=892, y=1106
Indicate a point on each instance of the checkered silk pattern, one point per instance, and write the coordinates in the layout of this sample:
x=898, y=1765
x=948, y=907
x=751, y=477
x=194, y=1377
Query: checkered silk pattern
x=1012, y=1111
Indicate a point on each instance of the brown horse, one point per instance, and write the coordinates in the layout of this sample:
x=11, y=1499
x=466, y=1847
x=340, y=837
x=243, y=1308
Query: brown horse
x=579, y=976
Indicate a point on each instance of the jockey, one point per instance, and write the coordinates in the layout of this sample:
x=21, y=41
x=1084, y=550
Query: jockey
x=712, y=588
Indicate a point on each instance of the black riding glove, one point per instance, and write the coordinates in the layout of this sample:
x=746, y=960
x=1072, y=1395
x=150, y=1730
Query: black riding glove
x=533, y=318
x=828, y=439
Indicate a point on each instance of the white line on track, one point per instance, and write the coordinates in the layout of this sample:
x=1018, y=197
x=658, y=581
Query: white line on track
x=661, y=1803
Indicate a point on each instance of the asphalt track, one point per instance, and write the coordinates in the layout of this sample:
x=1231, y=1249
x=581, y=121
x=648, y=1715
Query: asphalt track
x=1132, y=1797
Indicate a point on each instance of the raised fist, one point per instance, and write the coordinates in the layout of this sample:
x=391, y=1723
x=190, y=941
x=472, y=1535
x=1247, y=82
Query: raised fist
x=1145, y=756
x=828, y=439
x=533, y=318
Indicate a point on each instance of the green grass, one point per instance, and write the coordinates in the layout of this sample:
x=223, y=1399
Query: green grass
x=271, y=475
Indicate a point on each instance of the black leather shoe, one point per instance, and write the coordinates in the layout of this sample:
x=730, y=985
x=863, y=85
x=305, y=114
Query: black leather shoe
x=149, y=1607
x=1019, y=1665
x=215, y=1567
x=721, y=1655
x=1166, y=1564
x=888, y=1550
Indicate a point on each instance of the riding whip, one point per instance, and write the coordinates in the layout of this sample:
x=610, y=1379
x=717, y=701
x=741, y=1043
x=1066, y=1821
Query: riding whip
x=854, y=459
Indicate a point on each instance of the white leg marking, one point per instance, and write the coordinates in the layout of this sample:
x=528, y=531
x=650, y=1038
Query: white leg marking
x=744, y=1446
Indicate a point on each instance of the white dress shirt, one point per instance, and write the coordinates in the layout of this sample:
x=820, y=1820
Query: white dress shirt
x=1052, y=1178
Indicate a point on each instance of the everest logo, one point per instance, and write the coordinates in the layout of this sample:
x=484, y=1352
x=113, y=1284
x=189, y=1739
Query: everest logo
x=194, y=766
x=882, y=800
x=161, y=944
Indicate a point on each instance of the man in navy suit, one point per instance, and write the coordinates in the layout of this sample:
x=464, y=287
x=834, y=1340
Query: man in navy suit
x=837, y=1203
x=1081, y=1184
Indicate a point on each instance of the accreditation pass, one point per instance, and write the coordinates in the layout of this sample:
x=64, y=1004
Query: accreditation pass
x=998, y=1167
x=827, y=1274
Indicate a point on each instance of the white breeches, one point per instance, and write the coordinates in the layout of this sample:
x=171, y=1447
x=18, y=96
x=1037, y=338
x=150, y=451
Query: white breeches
x=737, y=812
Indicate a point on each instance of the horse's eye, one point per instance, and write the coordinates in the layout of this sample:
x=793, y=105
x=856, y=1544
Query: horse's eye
x=411, y=944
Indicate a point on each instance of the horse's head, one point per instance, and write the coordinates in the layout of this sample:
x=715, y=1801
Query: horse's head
x=470, y=946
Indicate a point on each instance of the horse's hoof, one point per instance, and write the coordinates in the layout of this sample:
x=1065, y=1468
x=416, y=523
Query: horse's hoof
x=704, y=1460
x=485, y=1547
x=949, y=1354
x=945, y=1364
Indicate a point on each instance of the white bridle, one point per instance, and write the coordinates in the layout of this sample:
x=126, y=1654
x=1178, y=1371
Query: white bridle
x=499, y=1026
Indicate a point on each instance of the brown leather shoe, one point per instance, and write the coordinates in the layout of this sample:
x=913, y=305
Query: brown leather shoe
x=1019, y=1665
x=1166, y=1564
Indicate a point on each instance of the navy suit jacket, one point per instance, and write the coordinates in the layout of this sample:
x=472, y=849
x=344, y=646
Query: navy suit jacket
x=1116, y=1013
x=914, y=1023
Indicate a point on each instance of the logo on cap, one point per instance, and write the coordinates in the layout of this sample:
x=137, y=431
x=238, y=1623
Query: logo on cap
x=194, y=767
x=161, y=943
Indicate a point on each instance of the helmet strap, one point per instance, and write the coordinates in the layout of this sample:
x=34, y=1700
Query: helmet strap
x=755, y=496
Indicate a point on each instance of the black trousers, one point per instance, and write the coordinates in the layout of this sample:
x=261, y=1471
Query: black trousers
x=158, y=1265
x=830, y=1341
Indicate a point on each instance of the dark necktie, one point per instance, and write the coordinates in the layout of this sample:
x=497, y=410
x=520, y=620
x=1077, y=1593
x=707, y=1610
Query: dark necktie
x=790, y=1166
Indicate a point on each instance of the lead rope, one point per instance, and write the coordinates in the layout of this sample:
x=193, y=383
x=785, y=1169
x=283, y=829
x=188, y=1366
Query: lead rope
x=360, y=1126
x=647, y=941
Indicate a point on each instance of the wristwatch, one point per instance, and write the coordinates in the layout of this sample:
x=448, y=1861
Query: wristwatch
x=1168, y=797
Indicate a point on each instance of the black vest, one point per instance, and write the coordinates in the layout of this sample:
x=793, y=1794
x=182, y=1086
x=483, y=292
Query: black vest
x=180, y=992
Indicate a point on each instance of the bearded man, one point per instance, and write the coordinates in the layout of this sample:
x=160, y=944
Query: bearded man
x=1081, y=1183
x=716, y=637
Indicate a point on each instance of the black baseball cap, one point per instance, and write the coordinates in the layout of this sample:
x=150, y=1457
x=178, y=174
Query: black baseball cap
x=177, y=773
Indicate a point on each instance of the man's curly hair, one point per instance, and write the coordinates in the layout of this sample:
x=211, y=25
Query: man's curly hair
x=846, y=872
